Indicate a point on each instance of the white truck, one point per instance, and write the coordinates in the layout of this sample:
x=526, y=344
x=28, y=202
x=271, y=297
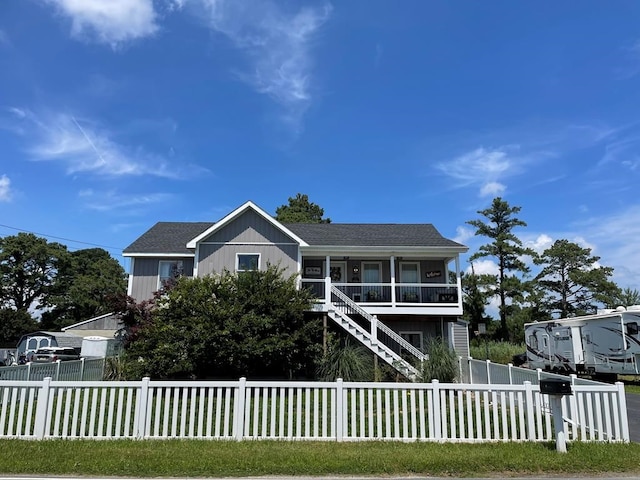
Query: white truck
x=603, y=345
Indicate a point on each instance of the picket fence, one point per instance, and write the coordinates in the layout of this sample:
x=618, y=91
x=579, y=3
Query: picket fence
x=73, y=370
x=330, y=411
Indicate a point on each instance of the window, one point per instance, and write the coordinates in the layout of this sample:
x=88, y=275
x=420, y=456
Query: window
x=632, y=328
x=533, y=342
x=410, y=273
x=372, y=274
x=247, y=262
x=169, y=271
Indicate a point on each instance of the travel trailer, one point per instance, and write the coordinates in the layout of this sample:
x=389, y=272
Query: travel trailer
x=603, y=345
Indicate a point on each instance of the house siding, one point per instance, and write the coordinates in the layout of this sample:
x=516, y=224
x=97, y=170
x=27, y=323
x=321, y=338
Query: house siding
x=249, y=233
x=216, y=258
x=145, y=275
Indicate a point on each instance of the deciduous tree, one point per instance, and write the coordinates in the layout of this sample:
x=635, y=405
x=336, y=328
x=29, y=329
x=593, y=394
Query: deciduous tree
x=84, y=284
x=28, y=267
x=300, y=210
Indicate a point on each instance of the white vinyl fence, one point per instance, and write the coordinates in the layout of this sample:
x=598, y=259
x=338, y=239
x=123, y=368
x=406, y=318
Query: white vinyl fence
x=331, y=411
x=73, y=370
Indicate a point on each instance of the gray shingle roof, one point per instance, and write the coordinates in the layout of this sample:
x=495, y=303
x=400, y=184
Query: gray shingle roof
x=371, y=235
x=168, y=237
x=172, y=237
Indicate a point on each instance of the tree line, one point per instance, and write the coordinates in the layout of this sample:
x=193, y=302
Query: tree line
x=570, y=280
x=44, y=286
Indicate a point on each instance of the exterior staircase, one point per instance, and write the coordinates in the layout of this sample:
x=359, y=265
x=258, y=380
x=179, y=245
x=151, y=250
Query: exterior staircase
x=379, y=338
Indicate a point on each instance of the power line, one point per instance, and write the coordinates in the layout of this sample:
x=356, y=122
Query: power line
x=62, y=238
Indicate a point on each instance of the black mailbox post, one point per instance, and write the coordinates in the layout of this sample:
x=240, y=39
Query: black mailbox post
x=555, y=386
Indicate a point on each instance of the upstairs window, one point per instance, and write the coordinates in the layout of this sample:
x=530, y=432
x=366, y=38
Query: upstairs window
x=169, y=271
x=247, y=262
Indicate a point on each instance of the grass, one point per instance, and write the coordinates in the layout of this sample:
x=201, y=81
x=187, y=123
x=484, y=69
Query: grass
x=499, y=352
x=199, y=458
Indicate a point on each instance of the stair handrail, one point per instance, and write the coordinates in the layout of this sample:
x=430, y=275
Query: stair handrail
x=408, y=369
x=382, y=326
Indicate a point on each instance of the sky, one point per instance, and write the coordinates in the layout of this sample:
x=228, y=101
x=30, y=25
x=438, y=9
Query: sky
x=117, y=114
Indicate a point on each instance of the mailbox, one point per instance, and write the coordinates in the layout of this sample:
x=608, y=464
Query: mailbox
x=555, y=386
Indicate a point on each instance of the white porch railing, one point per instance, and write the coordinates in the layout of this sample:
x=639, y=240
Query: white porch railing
x=331, y=411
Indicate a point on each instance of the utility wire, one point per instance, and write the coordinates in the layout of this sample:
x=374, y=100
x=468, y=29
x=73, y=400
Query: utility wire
x=62, y=238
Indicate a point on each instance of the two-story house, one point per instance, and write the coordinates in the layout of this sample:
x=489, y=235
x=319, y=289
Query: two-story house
x=391, y=286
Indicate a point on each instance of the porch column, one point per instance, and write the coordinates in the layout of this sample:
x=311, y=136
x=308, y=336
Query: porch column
x=393, y=280
x=327, y=281
x=458, y=281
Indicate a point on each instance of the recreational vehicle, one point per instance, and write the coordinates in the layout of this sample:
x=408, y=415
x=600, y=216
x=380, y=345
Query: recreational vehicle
x=604, y=345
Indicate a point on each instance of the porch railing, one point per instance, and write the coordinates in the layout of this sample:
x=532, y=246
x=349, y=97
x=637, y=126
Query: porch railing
x=397, y=294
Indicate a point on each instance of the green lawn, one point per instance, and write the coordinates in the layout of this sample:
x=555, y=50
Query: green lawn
x=197, y=458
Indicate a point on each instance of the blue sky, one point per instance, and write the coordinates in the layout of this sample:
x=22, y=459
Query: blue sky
x=116, y=114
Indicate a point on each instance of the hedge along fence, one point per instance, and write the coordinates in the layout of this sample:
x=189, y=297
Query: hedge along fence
x=332, y=411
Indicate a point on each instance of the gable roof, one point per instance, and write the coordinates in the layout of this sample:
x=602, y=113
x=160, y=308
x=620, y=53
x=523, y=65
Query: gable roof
x=181, y=238
x=372, y=235
x=235, y=214
x=167, y=238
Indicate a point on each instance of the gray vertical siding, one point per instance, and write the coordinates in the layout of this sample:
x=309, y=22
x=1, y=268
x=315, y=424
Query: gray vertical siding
x=249, y=228
x=216, y=258
x=145, y=275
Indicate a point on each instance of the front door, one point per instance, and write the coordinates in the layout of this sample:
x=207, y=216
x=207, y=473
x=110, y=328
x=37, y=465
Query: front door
x=338, y=272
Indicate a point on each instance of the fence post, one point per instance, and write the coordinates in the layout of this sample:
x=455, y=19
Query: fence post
x=510, y=365
x=28, y=371
x=82, y=369
x=528, y=395
x=460, y=369
x=238, y=409
x=339, y=410
x=469, y=360
x=437, y=411
x=558, y=423
x=624, y=420
x=57, y=370
x=142, y=408
x=42, y=408
x=539, y=372
x=488, y=372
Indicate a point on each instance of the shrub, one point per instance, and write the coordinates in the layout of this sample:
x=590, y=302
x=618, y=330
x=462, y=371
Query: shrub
x=442, y=364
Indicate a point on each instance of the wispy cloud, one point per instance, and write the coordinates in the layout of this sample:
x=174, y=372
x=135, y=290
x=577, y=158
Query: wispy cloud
x=278, y=45
x=112, y=22
x=484, y=167
x=119, y=201
x=5, y=189
x=85, y=147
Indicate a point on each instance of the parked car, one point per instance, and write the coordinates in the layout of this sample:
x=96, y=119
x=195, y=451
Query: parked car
x=53, y=354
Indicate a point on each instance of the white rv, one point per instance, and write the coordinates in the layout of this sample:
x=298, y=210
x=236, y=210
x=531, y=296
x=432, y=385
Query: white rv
x=606, y=344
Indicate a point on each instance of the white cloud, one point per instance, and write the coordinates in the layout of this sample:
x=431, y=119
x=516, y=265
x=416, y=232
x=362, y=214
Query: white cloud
x=112, y=22
x=482, y=267
x=5, y=189
x=492, y=189
x=278, y=45
x=85, y=147
x=484, y=167
x=463, y=234
x=540, y=243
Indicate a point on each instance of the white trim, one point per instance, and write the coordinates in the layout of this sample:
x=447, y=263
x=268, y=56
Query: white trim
x=64, y=329
x=413, y=332
x=248, y=243
x=159, y=255
x=131, y=277
x=247, y=253
x=236, y=213
x=196, y=262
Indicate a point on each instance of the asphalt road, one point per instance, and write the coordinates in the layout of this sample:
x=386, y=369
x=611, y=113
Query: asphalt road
x=633, y=413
